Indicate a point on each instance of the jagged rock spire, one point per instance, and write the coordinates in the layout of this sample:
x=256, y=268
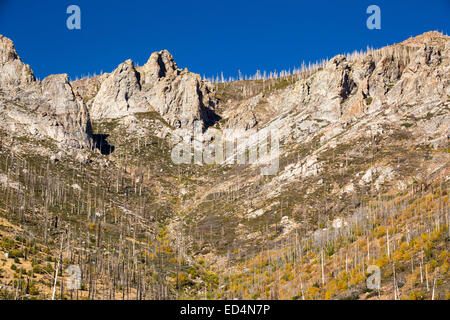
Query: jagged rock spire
x=13, y=71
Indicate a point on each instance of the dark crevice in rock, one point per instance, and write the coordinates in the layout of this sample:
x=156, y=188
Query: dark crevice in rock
x=101, y=143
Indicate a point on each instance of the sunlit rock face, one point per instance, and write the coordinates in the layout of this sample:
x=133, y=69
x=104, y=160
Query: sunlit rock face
x=180, y=97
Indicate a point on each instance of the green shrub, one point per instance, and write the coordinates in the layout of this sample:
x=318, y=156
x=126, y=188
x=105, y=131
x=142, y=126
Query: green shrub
x=15, y=254
x=38, y=269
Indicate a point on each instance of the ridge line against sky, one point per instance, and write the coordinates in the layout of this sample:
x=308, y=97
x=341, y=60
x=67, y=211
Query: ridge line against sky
x=207, y=37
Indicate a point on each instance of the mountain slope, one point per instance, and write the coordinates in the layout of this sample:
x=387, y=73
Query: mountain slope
x=88, y=179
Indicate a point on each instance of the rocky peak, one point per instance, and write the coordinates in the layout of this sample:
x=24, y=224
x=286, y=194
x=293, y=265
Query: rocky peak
x=181, y=97
x=47, y=109
x=7, y=50
x=13, y=72
x=159, y=65
x=338, y=62
x=429, y=38
x=119, y=94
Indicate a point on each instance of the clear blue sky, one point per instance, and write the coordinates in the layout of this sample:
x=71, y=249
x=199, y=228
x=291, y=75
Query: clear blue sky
x=207, y=36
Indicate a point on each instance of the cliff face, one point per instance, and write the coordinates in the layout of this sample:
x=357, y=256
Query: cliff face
x=180, y=97
x=412, y=72
x=13, y=71
x=40, y=109
x=68, y=114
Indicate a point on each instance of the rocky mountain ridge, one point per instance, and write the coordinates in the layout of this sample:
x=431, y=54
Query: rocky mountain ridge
x=341, y=91
x=62, y=110
x=180, y=97
x=48, y=108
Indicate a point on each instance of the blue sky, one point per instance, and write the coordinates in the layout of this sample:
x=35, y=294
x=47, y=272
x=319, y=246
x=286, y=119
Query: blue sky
x=207, y=36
